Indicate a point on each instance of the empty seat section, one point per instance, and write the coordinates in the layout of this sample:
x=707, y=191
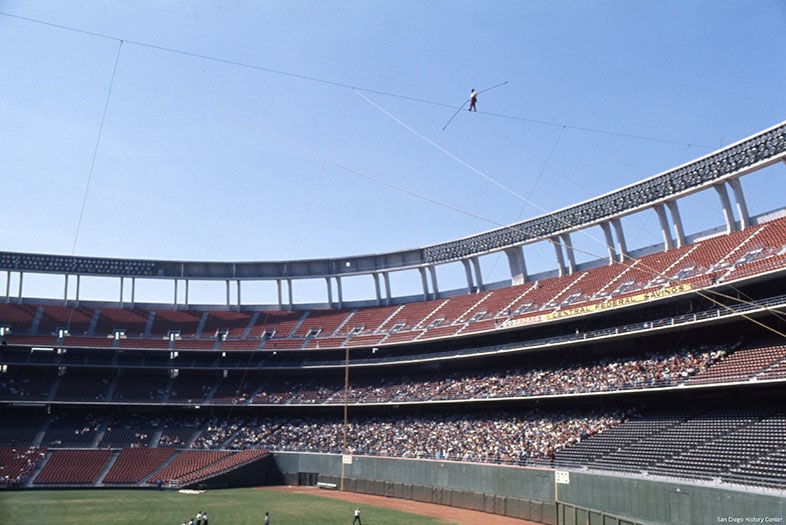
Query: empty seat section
x=72, y=467
x=187, y=462
x=76, y=320
x=132, y=321
x=184, y=322
x=85, y=384
x=133, y=465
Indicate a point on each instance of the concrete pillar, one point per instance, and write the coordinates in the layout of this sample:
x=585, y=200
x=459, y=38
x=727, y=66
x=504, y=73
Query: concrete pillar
x=432, y=270
x=622, y=247
x=377, y=294
x=609, y=241
x=468, y=275
x=555, y=241
x=517, y=265
x=676, y=220
x=728, y=216
x=386, y=279
x=329, y=292
x=742, y=207
x=478, y=273
x=423, y=283
x=660, y=210
x=568, y=245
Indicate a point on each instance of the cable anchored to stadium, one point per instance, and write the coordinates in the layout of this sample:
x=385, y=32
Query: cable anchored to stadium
x=97, y=145
x=626, y=258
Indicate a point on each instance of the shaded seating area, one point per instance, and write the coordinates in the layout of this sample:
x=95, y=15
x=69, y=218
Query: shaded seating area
x=746, y=446
x=134, y=465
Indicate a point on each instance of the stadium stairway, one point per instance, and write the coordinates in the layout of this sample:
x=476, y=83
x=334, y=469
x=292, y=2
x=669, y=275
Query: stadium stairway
x=34, y=473
x=152, y=476
x=99, y=481
x=39, y=436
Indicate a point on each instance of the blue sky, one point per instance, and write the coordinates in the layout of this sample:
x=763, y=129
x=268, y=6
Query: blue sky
x=232, y=131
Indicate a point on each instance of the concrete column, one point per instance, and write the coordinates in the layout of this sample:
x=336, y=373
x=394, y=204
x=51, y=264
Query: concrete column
x=609, y=241
x=278, y=293
x=375, y=276
x=728, y=216
x=660, y=210
x=329, y=292
x=676, y=220
x=555, y=241
x=478, y=273
x=432, y=270
x=622, y=247
x=566, y=242
x=517, y=265
x=742, y=207
x=424, y=283
x=468, y=275
x=386, y=279
x=340, y=292
x=65, y=290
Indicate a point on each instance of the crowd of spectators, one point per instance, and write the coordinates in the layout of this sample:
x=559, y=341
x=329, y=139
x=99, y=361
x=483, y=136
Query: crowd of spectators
x=176, y=432
x=600, y=375
x=603, y=375
x=17, y=464
x=496, y=436
x=491, y=436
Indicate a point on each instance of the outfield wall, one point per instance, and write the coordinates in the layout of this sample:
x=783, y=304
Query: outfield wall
x=665, y=502
x=526, y=493
x=531, y=493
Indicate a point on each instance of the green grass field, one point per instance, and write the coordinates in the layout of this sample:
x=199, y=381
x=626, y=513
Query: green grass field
x=225, y=507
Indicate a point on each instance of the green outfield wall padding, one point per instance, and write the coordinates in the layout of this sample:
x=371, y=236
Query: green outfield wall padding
x=530, y=493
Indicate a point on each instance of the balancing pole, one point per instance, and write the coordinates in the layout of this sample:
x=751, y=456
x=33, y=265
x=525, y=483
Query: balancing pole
x=465, y=103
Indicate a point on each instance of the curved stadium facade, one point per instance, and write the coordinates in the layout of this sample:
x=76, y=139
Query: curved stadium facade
x=645, y=386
